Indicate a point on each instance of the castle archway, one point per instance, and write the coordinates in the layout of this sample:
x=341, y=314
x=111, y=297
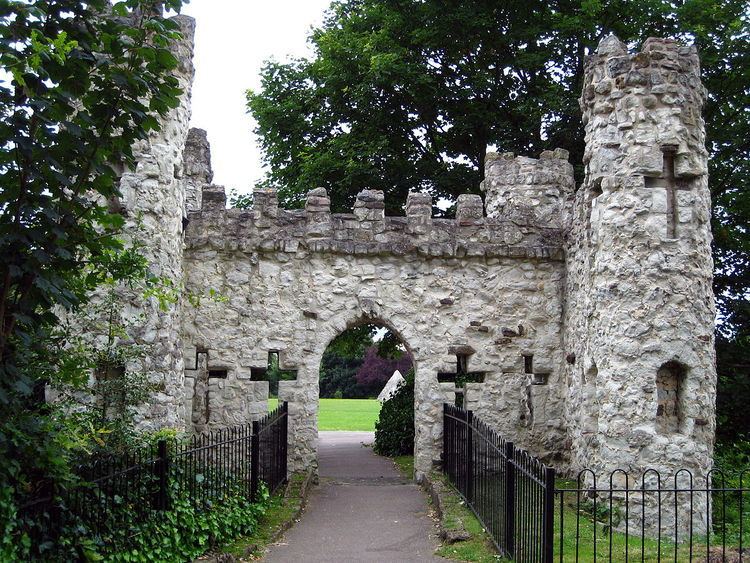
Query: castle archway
x=399, y=322
x=356, y=370
x=293, y=281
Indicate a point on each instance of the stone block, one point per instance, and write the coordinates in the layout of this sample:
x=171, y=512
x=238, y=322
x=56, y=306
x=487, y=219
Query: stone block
x=214, y=199
x=659, y=200
x=190, y=357
x=265, y=203
x=370, y=206
x=419, y=207
x=656, y=225
x=469, y=210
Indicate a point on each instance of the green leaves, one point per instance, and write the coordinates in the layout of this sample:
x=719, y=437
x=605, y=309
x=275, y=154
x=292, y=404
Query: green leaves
x=85, y=83
x=406, y=96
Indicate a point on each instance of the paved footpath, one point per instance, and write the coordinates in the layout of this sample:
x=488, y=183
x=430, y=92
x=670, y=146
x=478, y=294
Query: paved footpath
x=363, y=510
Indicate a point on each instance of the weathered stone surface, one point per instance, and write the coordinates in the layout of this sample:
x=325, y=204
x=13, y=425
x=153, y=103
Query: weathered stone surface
x=639, y=268
x=153, y=198
x=197, y=164
x=589, y=313
x=528, y=190
x=269, y=288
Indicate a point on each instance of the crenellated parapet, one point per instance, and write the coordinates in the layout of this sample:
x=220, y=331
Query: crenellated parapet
x=366, y=231
x=637, y=105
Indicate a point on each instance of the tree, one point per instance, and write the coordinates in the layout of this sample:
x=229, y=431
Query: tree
x=86, y=81
x=403, y=95
x=356, y=366
x=376, y=370
x=408, y=95
x=338, y=376
x=353, y=342
x=394, y=429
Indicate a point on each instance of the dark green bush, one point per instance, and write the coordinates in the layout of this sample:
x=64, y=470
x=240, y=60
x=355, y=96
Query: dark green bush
x=185, y=532
x=125, y=533
x=732, y=471
x=394, y=430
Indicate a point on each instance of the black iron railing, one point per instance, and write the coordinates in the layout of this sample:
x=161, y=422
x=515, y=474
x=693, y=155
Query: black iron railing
x=269, y=457
x=647, y=517
x=625, y=517
x=205, y=470
x=507, y=488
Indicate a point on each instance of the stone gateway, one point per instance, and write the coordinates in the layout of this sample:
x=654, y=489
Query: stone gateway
x=584, y=312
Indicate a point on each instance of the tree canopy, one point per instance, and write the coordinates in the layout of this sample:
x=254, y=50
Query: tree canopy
x=407, y=95
x=83, y=82
x=403, y=95
x=359, y=362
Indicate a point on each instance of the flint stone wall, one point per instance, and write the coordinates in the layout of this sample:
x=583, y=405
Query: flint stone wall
x=296, y=279
x=639, y=296
x=152, y=202
x=589, y=311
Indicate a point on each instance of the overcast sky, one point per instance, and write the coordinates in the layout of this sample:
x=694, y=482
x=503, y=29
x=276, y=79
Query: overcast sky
x=233, y=38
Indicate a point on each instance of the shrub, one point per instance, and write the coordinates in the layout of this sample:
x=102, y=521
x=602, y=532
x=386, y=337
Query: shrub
x=394, y=430
x=732, y=471
x=185, y=532
x=208, y=507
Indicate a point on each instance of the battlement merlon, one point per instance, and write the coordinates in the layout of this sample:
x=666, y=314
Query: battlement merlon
x=637, y=105
x=197, y=168
x=367, y=231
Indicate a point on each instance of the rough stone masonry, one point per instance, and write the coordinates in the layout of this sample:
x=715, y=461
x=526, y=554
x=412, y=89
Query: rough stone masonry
x=587, y=310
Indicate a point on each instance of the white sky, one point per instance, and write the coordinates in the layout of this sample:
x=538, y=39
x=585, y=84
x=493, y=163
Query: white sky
x=232, y=39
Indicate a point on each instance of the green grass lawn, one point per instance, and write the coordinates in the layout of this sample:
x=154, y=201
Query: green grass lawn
x=344, y=414
x=624, y=548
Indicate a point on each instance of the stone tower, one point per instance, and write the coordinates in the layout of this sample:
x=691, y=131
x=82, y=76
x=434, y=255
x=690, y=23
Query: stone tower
x=153, y=203
x=640, y=307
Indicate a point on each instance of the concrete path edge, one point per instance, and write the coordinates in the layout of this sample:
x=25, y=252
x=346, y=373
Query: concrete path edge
x=307, y=485
x=439, y=492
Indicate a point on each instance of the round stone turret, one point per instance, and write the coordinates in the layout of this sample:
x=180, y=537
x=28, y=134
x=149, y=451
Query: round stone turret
x=640, y=315
x=526, y=190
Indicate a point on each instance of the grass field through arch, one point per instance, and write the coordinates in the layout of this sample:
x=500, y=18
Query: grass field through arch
x=344, y=414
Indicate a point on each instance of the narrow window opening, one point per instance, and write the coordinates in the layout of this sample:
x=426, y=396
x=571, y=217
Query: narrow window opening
x=446, y=377
x=217, y=373
x=200, y=410
x=273, y=358
x=461, y=377
x=596, y=188
x=272, y=373
x=540, y=379
x=462, y=363
x=258, y=374
x=670, y=381
x=528, y=363
x=527, y=406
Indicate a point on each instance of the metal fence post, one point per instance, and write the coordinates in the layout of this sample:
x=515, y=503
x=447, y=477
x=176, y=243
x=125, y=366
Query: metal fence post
x=162, y=476
x=549, y=516
x=254, y=461
x=469, y=457
x=510, y=500
x=285, y=441
x=444, y=457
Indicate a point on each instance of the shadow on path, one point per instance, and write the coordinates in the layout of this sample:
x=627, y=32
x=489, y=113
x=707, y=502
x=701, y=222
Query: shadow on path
x=363, y=510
